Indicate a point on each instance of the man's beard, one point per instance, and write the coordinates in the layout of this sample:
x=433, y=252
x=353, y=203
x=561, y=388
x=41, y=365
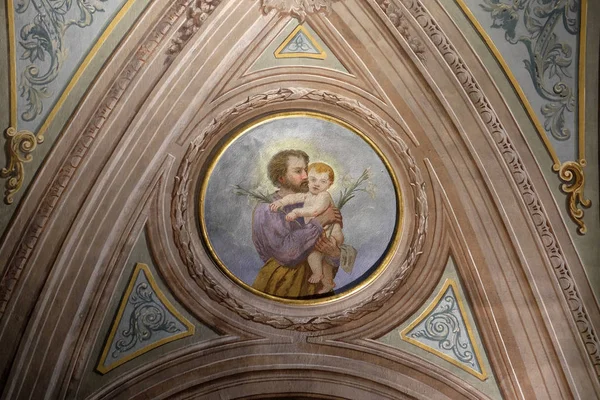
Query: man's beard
x=301, y=188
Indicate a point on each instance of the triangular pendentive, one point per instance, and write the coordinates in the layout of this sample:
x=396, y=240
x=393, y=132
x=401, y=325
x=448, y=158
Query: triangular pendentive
x=444, y=330
x=145, y=320
x=297, y=45
x=300, y=44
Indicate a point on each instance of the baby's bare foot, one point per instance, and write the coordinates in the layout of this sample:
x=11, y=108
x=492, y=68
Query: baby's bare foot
x=326, y=287
x=315, y=278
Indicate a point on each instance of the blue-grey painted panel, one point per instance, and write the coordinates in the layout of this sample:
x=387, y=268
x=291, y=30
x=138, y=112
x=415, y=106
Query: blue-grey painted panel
x=52, y=38
x=145, y=321
x=539, y=41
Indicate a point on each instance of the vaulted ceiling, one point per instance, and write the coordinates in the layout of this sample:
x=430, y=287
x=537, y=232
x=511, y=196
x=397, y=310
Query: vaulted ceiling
x=484, y=113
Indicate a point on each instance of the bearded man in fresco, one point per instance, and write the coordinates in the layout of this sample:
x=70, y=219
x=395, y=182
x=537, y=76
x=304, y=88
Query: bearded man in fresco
x=284, y=246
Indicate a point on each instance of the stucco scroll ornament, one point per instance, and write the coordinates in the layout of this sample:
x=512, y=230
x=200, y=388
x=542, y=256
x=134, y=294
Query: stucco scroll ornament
x=42, y=41
x=534, y=23
x=184, y=187
x=521, y=177
x=19, y=146
x=444, y=328
x=298, y=9
x=572, y=174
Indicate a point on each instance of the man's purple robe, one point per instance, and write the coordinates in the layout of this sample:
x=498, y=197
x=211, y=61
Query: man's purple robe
x=289, y=243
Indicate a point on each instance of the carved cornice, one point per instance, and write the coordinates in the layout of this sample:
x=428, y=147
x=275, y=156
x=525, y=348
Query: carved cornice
x=298, y=9
x=543, y=29
x=183, y=226
x=520, y=176
x=72, y=162
x=398, y=19
x=42, y=43
x=197, y=13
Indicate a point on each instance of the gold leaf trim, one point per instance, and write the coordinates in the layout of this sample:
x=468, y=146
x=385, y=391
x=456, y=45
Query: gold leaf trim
x=14, y=169
x=191, y=329
x=19, y=146
x=537, y=212
x=571, y=173
x=300, y=28
x=461, y=307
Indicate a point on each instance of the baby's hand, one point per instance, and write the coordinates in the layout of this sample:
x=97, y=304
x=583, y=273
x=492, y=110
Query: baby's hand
x=276, y=205
x=291, y=216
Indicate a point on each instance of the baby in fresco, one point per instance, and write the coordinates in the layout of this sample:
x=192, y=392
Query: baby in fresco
x=316, y=201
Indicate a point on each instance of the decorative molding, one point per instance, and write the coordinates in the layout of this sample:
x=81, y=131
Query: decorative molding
x=398, y=19
x=145, y=320
x=298, y=9
x=444, y=329
x=184, y=192
x=520, y=176
x=197, y=13
x=571, y=173
x=19, y=146
x=42, y=36
x=56, y=189
x=300, y=44
x=550, y=63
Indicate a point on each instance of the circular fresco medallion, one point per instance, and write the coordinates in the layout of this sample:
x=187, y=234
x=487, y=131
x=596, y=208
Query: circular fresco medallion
x=268, y=208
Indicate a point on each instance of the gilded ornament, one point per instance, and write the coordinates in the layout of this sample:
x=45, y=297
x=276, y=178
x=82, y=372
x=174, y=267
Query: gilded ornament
x=19, y=146
x=521, y=178
x=571, y=173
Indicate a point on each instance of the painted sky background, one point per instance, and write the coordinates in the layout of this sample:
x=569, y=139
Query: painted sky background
x=368, y=223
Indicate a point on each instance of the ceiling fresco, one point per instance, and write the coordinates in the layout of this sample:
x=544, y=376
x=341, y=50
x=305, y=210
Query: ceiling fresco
x=469, y=245
x=540, y=47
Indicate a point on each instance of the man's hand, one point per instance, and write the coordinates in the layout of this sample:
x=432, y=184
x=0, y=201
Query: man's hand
x=328, y=246
x=330, y=216
x=276, y=205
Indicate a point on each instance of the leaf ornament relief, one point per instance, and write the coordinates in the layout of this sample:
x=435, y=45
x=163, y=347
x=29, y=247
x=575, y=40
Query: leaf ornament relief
x=197, y=13
x=550, y=63
x=298, y=9
x=542, y=26
x=43, y=43
x=398, y=19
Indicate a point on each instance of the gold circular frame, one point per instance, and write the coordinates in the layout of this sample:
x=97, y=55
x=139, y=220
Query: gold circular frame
x=392, y=245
